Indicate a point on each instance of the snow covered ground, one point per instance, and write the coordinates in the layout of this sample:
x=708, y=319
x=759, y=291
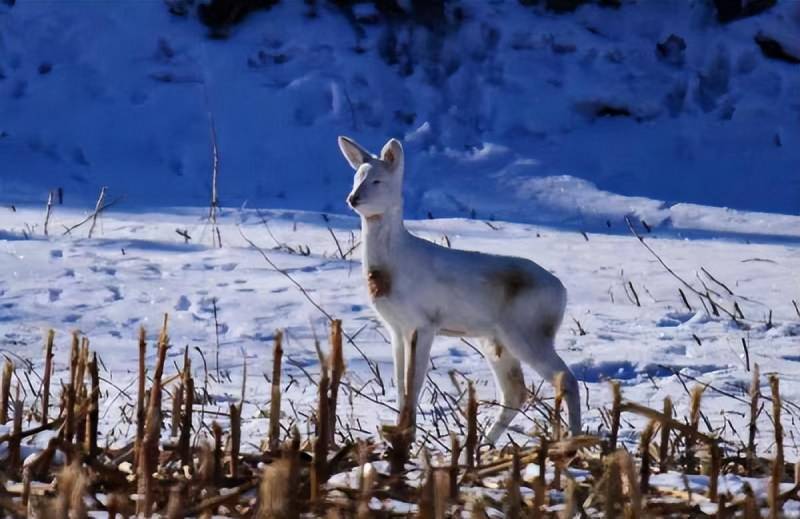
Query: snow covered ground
x=491, y=105
x=137, y=267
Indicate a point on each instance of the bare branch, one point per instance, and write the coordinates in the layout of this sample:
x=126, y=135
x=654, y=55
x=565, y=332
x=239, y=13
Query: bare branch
x=372, y=365
x=701, y=295
x=93, y=216
x=48, y=211
x=97, y=209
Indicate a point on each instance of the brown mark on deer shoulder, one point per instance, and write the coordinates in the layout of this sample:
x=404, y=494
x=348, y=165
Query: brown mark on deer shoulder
x=379, y=283
x=514, y=281
x=549, y=328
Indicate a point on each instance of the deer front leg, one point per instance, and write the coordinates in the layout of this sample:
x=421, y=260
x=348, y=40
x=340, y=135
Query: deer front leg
x=398, y=353
x=422, y=353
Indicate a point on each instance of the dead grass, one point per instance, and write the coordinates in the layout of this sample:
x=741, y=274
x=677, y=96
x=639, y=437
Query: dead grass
x=196, y=474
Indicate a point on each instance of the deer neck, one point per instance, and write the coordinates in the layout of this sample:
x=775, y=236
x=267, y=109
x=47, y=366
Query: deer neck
x=382, y=236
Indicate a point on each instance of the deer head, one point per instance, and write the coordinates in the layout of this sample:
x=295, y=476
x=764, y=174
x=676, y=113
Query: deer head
x=378, y=181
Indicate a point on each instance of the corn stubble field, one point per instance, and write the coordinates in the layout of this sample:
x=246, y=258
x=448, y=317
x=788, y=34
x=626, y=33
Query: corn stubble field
x=186, y=460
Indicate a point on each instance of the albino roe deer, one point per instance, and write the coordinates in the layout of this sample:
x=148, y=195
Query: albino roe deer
x=513, y=304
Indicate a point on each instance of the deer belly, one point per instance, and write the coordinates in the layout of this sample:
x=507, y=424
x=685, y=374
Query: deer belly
x=424, y=303
x=458, y=328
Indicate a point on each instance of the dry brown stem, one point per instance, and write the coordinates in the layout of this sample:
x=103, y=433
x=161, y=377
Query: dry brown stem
x=48, y=371
x=71, y=483
x=663, y=447
x=615, y=413
x=275, y=402
x=94, y=409
x=644, y=454
x=235, y=438
x=337, y=370
x=5, y=390
x=472, y=427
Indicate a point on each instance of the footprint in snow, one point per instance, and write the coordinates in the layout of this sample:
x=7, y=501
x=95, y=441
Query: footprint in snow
x=103, y=270
x=151, y=268
x=130, y=322
x=183, y=304
x=207, y=304
x=56, y=253
x=116, y=294
x=673, y=319
x=54, y=294
x=674, y=349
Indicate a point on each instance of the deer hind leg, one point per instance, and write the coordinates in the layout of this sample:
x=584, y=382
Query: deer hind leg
x=510, y=383
x=538, y=351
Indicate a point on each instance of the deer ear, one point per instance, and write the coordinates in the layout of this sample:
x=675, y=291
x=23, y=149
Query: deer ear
x=355, y=154
x=392, y=153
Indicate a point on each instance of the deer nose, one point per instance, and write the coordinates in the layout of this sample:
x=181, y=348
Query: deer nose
x=352, y=200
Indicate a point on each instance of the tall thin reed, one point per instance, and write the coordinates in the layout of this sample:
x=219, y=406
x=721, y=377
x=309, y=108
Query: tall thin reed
x=455, y=451
x=628, y=469
x=426, y=500
x=644, y=454
x=92, y=424
x=615, y=413
x=48, y=371
x=777, y=463
x=513, y=506
x=472, y=427
x=663, y=447
x=614, y=498
x=716, y=462
x=140, y=396
x=235, y=437
x=694, y=422
x=184, y=441
x=14, y=460
x=177, y=409
x=148, y=455
x=5, y=390
x=71, y=484
x=558, y=383
x=275, y=402
x=319, y=468
x=337, y=371
x=752, y=429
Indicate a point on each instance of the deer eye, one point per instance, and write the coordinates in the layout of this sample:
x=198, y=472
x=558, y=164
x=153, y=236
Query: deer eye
x=376, y=182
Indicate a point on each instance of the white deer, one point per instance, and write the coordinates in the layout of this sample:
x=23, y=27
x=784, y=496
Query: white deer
x=512, y=304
